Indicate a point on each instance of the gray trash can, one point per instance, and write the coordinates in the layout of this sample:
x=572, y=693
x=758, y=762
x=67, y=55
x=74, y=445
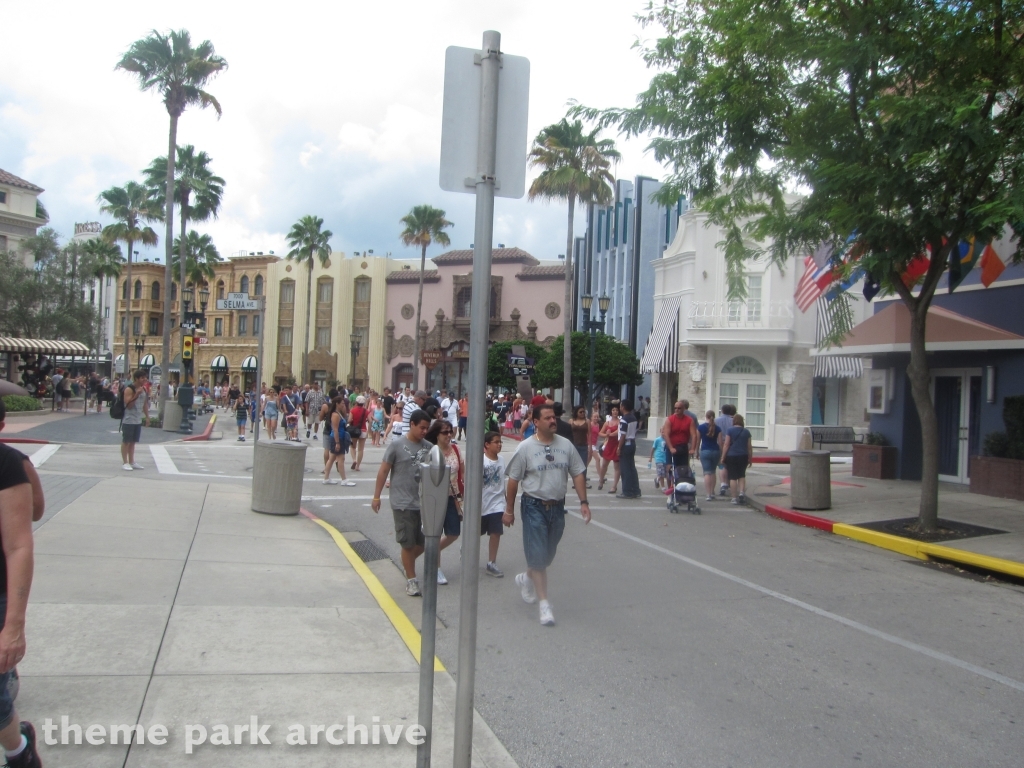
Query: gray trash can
x=277, y=474
x=172, y=417
x=810, y=476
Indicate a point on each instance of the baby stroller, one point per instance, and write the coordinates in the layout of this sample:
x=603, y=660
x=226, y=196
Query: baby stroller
x=682, y=489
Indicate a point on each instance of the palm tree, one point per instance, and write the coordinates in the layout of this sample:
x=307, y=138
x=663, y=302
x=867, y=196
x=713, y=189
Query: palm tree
x=178, y=72
x=105, y=260
x=201, y=256
x=130, y=205
x=307, y=242
x=424, y=225
x=197, y=191
x=575, y=169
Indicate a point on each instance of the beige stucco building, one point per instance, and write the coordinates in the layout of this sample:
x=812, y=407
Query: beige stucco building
x=18, y=219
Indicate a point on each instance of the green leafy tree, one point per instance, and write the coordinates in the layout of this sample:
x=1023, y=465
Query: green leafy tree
x=170, y=65
x=309, y=242
x=44, y=245
x=130, y=206
x=197, y=193
x=902, y=122
x=105, y=260
x=424, y=225
x=201, y=258
x=615, y=364
x=498, y=374
x=575, y=169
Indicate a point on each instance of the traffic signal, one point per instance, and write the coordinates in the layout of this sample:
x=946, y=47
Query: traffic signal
x=186, y=347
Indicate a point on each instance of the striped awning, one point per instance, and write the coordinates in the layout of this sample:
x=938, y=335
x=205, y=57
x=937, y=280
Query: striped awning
x=832, y=366
x=175, y=366
x=249, y=364
x=43, y=346
x=219, y=363
x=147, y=361
x=661, y=354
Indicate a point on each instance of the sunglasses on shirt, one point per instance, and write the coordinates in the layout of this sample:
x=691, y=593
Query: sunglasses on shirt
x=547, y=453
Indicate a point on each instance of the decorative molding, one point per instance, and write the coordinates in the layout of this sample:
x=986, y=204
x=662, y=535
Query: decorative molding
x=406, y=346
x=553, y=310
x=697, y=371
x=408, y=310
x=787, y=373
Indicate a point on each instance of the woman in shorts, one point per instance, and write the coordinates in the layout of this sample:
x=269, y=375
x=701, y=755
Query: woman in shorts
x=270, y=413
x=440, y=434
x=241, y=416
x=739, y=452
x=710, y=452
x=339, y=443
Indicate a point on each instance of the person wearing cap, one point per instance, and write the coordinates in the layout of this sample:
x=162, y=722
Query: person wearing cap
x=358, y=418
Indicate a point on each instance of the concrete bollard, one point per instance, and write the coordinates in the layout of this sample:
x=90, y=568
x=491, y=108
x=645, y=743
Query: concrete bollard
x=277, y=473
x=172, y=417
x=810, y=478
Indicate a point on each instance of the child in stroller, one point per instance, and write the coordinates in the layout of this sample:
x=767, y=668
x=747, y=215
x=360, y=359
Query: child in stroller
x=682, y=489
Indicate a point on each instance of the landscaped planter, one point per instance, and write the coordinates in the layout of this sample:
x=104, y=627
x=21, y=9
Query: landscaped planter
x=875, y=461
x=1003, y=478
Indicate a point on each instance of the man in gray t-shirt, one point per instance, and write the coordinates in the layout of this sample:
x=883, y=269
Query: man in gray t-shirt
x=542, y=465
x=136, y=407
x=401, y=460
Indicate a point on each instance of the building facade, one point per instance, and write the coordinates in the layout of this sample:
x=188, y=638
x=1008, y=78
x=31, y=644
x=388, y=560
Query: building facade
x=102, y=298
x=18, y=212
x=525, y=303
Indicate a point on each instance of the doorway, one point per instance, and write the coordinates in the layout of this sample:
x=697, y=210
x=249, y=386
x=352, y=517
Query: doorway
x=744, y=384
x=956, y=394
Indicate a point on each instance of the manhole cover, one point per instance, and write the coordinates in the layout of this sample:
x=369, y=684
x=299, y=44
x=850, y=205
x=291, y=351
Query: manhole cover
x=368, y=551
x=771, y=493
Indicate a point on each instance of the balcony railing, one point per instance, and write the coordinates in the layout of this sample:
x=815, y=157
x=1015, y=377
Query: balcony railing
x=740, y=314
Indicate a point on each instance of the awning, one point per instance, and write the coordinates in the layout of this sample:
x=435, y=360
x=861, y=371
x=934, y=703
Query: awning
x=832, y=366
x=889, y=331
x=175, y=366
x=43, y=346
x=219, y=363
x=249, y=364
x=147, y=361
x=661, y=354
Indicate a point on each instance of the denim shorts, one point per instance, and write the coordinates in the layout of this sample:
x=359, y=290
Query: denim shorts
x=452, y=521
x=709, y=460
x=6, y=702
x=543, y=525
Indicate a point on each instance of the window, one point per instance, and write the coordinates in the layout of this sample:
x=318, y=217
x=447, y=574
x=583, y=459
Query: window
x=323, y=338
x=108, y=281
x=136, y=326
x=154, y=326
x=362, y=289
x=154, y=291
x=174, y=291
x=243, y=322
x=220, y=289
x=243, y=285
x=463, y=302
x=106, y=314
x=124, y=290
x=255, y=325
x=258, y=290
x=137, y=291
x=284, y=336
x=3, y=196
x=325, y=291
x=122, y=324
x=744, y=364
x=754, y=298
x=218, y=326
x=92, y=295
x=287, y=291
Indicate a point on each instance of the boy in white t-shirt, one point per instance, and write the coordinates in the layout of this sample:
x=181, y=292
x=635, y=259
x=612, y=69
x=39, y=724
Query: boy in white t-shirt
x=493, y=506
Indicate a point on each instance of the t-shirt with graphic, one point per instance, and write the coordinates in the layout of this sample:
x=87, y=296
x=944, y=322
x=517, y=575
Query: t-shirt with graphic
x=405, y=456
x=540, y=477
x=493, y=502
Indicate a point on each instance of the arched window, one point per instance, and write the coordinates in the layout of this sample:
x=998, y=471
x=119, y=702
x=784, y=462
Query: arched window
x=137, y=292
x=494, y=302
x=243, y=284
x=174, y=291
x=287, y=292
x=154, y=291
x=325, y=290
x=124, y=290
x=258, y=290
x=220, y=289
x=744, y=364
x=463, y=300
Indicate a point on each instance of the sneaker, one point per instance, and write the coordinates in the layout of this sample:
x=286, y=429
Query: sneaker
x=240, y=438
x=28, y=758
x=315, y=437
x=493, y=570
x=441, y=578
x=412, y=587
x=329, y=482
x=710, y=498
x=349, y=483
x=723, y=490
x=526, y=585
x=547, y=618
x=126, y=467
x=307, y=434
x=743, y=498
x=735, y=501
x=137, y=466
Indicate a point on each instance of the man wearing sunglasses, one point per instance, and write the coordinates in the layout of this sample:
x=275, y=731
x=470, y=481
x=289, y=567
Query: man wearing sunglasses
x=543, y=464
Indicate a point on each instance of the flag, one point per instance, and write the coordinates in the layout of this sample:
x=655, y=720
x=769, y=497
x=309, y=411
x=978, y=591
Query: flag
x=991, y=266
x=916, y=269
x=961, y=261
x=871, y=287
x=821, y=255
x=812, y=284
x=846, y=284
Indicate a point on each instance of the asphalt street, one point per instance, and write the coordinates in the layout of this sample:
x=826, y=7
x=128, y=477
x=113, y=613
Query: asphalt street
x=725, y=639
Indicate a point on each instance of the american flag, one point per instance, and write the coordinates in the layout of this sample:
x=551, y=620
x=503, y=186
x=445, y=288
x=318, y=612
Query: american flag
x=813, y=283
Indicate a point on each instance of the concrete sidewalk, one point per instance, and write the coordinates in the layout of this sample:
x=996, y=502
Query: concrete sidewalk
x=186, y=608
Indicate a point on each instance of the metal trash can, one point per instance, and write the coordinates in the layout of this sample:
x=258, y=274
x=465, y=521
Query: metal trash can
x=277, y=473
x=810, y=478
x=172, y=417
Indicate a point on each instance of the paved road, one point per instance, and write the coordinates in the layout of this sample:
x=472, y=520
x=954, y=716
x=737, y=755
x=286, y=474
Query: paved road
x=728, y=639
x=100, y=429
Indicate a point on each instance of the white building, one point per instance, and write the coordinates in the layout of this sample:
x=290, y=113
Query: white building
x=91, y=230
x=754, y=354
x=20, y=213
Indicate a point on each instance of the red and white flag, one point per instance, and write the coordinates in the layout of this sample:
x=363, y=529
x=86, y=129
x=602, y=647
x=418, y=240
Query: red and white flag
x=813, y=283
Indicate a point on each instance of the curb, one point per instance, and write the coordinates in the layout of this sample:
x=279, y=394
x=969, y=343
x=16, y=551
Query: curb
x=23, y=440
x=206, y=432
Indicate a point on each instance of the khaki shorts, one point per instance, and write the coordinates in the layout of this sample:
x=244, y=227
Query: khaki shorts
x=408, y=528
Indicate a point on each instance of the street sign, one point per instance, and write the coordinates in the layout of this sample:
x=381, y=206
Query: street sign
x=238, y=296
x=202, y=340
x=239, y=304
x=525, y=370
x=188, y=326
x=155, y=374
x=460, y=122
x=520, y=360
x=430, y=358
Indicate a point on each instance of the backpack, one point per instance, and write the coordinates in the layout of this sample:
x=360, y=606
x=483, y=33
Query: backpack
x=116, y=410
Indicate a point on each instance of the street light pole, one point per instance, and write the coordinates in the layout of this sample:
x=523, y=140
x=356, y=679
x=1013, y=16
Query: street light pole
x=586, y=301
x=354, y=338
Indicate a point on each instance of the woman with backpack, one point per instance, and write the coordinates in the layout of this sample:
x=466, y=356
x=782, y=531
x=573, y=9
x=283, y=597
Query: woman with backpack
x=339, y=442
x=440, y=434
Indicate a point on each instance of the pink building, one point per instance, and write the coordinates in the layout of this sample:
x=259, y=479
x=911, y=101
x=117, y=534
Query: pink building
x=526, y=303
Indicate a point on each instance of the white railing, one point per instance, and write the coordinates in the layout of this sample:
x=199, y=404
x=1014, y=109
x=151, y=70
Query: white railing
x=740, y=314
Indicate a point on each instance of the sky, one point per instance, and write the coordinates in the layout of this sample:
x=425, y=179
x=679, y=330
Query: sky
x=329, y=108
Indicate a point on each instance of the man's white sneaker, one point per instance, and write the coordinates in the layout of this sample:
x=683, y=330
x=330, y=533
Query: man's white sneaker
x=127, y=467
x=137, y=466
x=412, y=587
x=441, y=578
x=547, y=618
x=526, y=585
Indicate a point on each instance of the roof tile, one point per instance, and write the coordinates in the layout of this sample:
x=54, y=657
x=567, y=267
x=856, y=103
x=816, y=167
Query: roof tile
x=15, y=181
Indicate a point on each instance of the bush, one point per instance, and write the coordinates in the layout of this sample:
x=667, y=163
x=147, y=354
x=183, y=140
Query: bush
x=16, y=403
x=997, y=445
x=876, y=438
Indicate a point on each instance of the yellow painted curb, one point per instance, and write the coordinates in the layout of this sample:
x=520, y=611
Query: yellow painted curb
x=923, y=551
x=405, y=628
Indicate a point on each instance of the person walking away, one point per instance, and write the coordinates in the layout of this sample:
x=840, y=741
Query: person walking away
x=660, y=458
x=739, y=452
x=440, y=434
x=314, y=404
x=610, y=451
x=563, y=427
x=401, y=464
x=628, y=425
x=271, y=413
x=55, y=380
x=376, y=423
x=325, y=416
x=581, y=437
x=241, y=416
x=724, y=422
x=542, y=465
x=463, y=415
x=680, y=433
x=358, y=418
x=710, y=452
x=411, y=406
x=492, y=506
x=340, y=443
x=136, y=407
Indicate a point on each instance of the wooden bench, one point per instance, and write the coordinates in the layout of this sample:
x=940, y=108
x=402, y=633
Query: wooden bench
x=833, y=436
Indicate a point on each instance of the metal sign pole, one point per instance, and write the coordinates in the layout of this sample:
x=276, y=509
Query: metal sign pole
x=490, y=62
x=259, y=377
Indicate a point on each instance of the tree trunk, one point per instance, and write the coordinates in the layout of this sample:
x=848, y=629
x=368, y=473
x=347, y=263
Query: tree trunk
x=172, y=145
x=181, y=284
x=128, y=293
x=99, y=329
x=309, y=313
x=567, y=312
x=920, y=388
x=416, y=335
